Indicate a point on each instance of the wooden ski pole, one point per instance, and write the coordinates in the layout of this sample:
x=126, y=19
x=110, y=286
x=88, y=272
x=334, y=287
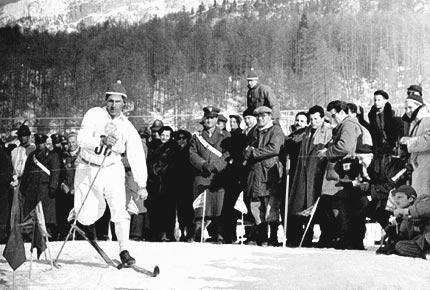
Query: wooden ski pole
x=31, y=264
x=203, y=217
x=287, y=188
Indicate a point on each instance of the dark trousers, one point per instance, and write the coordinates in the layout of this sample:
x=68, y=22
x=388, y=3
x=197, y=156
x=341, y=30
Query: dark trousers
x=102, y=226
x=64, y=204
x=349, y=209
x=185, y=211
x=162, y=217
x=326, y=220
x=139, y=226
x=229, y=214
x=409, y=249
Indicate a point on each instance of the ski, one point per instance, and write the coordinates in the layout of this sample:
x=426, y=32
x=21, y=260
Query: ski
x=96, y=246
x=153, y=273
x=114, y=263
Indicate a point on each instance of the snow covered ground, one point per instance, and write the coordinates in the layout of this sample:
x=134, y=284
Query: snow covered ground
x=208, y=266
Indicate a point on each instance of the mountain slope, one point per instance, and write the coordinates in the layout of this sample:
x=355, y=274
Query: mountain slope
x=54, y=15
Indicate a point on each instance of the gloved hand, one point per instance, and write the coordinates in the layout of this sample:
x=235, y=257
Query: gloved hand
x=208, y=169
x=142, y=193
x=65, y=188
x=247, y=153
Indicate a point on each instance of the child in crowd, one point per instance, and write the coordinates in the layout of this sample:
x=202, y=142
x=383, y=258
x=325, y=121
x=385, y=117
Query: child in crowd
x=409, y=231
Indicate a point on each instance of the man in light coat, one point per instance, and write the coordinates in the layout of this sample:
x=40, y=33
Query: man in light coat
x=264, y=173
x=417, y=139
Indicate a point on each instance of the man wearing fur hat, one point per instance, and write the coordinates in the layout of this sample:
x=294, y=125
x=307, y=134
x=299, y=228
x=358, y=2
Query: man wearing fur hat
x=261, y=95
x=105, y=134
x=417, y=138
x=208, y=155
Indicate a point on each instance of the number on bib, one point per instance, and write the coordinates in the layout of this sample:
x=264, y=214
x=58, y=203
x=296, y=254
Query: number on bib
x=102, y=150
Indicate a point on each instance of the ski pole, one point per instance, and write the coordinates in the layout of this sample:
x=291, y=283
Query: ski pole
x=80, y=209
x=287, y=188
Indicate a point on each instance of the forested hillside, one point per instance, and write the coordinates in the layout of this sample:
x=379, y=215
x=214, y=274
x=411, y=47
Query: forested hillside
x=308, y=53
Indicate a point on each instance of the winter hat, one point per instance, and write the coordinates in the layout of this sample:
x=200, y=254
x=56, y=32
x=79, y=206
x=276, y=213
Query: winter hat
x=40, y=138
x=406, y=189
x=237, y=117
x=211, y=111
x=156, y=125
x=415, y=93
x=56, y=138
x=382, y=93
x=116, y=89
x=248, y=112
x=262, y=110
x=221, y=118
x=252, y=75
x=23, y=131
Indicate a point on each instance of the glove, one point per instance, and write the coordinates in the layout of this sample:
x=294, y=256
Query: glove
x=142, y=193
x=51, y=192
x=65, y=188
x=208, y=169
x=247, y=154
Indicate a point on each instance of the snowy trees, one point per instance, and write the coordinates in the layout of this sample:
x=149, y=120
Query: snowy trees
x=308, y=53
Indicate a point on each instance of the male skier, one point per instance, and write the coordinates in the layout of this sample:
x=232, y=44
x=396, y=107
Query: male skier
x=105, y=134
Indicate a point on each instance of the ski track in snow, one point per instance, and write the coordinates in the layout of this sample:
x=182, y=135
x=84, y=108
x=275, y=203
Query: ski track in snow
x=208, y=266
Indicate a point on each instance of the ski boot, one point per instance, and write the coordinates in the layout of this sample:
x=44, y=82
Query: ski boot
x=126, y=259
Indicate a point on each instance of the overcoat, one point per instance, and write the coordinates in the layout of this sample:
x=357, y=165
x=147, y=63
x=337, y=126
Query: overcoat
x=419, y=148
x=310, y=170
x=265, y=169
x=36, y=185
x=215, y=182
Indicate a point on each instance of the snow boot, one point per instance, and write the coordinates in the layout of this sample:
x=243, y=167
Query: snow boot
x=126, y=259
x=273, y=239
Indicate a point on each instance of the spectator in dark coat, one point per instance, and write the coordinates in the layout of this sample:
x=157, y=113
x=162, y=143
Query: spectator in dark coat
x=209, y=156
x=347, y=202
x=40, y=182
x=309, y=173
x=183, y=175
x=384, y=129
x=65, y=198
x=264, y=176
x=261, y=95
x=234, y=178
x=6, y=172
x=294, y=141
x=161, y=191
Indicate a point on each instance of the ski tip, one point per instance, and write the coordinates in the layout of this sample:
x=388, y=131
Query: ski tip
x=156, y=271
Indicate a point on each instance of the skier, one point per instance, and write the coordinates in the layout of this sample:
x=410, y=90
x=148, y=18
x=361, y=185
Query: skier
x=105, y=134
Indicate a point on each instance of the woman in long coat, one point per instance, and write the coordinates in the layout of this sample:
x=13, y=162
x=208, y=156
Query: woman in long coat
x=161, y=199
x=40, y=181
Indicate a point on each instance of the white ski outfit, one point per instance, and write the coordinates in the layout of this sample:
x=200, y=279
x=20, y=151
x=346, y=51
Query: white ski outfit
x=110, y=182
